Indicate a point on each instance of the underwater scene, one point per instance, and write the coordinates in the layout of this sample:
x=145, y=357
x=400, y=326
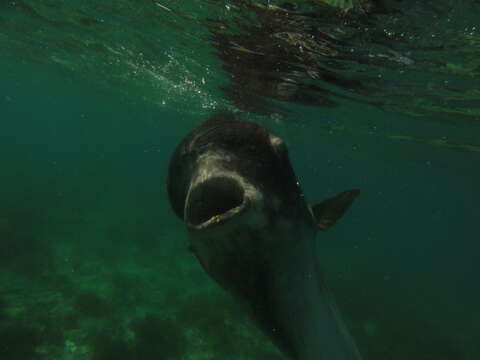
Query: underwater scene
x=378, y=103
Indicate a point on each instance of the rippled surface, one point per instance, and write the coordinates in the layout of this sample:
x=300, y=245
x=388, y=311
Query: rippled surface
x=419, y=58
x=140, y=49
x=416, y=59
x=410, y=57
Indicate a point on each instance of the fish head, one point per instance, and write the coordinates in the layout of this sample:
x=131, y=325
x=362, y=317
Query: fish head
x=236, y=220
x=232, y=184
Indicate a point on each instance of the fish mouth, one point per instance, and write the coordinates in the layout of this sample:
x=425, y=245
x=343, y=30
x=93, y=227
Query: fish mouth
x=214, y=201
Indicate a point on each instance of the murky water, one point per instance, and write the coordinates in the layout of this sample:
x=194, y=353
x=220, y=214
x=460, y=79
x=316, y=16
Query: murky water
x=94, y=97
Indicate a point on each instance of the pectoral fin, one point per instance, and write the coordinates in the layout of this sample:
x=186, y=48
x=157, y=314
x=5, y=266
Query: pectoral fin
x=329, y=211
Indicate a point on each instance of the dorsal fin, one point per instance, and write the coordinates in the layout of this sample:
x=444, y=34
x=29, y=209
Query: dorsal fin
x=329, y=211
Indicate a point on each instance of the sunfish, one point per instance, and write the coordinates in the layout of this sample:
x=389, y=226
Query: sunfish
x=248, y=223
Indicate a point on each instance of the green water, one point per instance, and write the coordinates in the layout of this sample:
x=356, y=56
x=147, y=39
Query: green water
x=94, y=97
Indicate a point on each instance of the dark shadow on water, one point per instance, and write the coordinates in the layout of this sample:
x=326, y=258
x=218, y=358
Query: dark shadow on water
x=285, y=56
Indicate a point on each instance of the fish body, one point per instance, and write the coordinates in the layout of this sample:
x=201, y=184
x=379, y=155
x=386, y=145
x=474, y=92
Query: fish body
x=248, y=223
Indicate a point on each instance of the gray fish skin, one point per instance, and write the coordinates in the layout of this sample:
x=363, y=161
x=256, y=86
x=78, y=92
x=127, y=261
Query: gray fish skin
x=248, y=223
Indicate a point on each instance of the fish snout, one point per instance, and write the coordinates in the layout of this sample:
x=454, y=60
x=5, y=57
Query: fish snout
x=214, y=201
